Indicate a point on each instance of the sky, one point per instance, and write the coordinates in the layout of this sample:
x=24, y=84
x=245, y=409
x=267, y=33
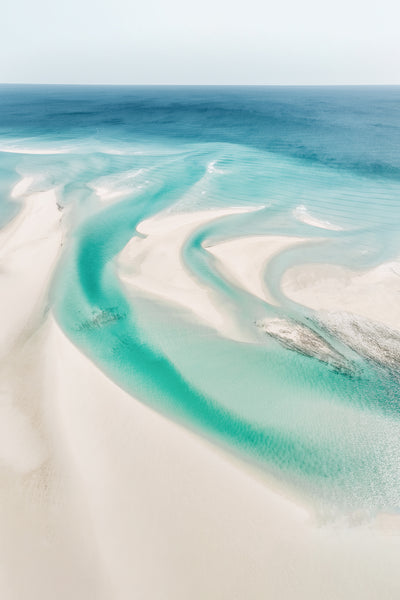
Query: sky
x=253, y=42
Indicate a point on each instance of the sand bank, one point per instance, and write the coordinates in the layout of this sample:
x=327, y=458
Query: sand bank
x=302, y=214
x=100, y=497
x=154, y=265
x=243, y=260
x=372, y=294
x=112, y=187
x=124, y=494
x=29, y=249
x=21, y=187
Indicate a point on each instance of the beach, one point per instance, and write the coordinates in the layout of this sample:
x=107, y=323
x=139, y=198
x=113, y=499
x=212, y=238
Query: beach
x=199, y=348
x=99, y=492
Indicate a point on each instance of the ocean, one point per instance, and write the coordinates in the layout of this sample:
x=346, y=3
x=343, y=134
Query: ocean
x=309, y=397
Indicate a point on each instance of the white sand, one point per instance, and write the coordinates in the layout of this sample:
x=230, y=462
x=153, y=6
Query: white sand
x=129, y=505
x=29, y=248
x=155, y=266
x=243, y=260
x=373, y=294
x=102, y=498
x=21, y=187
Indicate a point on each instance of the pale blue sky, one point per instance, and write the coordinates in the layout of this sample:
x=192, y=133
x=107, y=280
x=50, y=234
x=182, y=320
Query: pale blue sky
x=207, y=42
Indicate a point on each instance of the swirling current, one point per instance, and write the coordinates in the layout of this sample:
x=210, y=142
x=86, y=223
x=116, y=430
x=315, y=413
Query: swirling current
x=310, y=398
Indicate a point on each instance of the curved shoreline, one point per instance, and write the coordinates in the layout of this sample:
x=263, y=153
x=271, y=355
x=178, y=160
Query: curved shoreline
x=153, y=264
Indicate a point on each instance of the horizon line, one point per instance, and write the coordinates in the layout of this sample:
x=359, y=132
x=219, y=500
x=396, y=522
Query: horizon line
x=205, y=84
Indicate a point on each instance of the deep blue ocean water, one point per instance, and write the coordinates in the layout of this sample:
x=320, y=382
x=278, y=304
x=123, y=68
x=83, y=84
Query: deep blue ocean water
x=329, y=431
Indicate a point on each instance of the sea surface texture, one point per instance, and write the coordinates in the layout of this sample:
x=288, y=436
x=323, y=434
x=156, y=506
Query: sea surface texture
x=305, y=390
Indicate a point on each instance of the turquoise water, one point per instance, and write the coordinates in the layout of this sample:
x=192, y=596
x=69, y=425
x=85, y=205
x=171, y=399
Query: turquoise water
x=327, y=431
